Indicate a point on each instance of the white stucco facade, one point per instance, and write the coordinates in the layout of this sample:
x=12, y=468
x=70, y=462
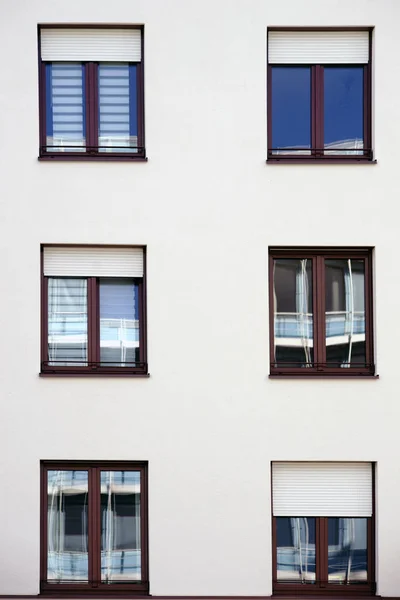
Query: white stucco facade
x=207, y=206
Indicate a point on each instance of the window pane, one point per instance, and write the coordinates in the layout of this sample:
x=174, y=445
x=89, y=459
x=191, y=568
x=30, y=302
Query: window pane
x=295, y=547
x=343, y=109
x=345, y=312
x=293, y=312
x=347, y=550
x=67, y=526
x=67, y=324
x=65, y=107
x=291, y=109
x=120, y=526
x=119, y=322
x=117, y=108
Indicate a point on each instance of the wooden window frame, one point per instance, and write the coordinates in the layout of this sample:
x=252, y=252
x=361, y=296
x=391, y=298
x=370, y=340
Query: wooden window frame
x=320, y=367
x=94, y=585
x=94, y=366
x=317, y=153
x=91, y=106
x=321, y=586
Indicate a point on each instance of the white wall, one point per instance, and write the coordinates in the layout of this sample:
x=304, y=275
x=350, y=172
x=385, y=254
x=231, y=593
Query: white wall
x=208, y=419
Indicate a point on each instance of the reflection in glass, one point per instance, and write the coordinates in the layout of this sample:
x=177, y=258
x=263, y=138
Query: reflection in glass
x=347, y=550
x=67, y=526
x=119, y=322
x=65, y=107
x=291, y=109
x=293, y=312
x=120, y=526
x=295, y=542
x=117, y=107
x=345, y=312
x=343, y=109
x=67, y=322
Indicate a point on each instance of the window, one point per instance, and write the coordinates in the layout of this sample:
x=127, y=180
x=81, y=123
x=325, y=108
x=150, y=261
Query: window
x=94, y=528
x=91, y=93
x=319, y=95
x=93, y=310
x=323, y=528
x=321, y=311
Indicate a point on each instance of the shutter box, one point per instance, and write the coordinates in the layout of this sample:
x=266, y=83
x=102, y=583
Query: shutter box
x=318, y=47
x=71, y=261
x=112, y=45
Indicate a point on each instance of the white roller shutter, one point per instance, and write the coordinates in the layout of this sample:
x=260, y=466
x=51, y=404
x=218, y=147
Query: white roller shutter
x=322, y=489
x=92, y=262
x=318, y=47
x=116, y=45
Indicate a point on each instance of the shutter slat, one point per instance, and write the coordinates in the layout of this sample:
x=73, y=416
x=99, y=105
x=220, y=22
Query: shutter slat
x=92, y=262
x=116, y=45
x=302, y=489
x=318, y=47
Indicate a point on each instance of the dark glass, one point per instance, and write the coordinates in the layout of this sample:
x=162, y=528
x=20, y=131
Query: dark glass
x=295, y=547
x=67, y=526
x=343, y=109
x=347, y=550
x=345, y=312
x=291, y=109
x=293, y=312
x=120, y=526
x=119, y=322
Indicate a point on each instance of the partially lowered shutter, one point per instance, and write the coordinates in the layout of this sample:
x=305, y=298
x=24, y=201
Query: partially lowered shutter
x=322, y=489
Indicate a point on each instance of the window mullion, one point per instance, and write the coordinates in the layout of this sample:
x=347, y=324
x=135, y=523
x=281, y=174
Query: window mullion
x=91, y=107
x=322, y=552
x=93, y=327
x=319, y=110
x=94, y=527
x=319, y=312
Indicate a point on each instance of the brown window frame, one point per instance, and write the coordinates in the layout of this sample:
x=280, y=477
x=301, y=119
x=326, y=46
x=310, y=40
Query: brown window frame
x=317, y=153
x=321, y=585
x=91, y=106
x=94, y=585
x=94, y=366
x=320, y=367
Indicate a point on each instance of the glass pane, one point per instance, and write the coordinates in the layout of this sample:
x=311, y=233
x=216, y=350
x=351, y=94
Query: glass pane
x=118, y=130
x=67, y=526
x=347, y=550
x=295, y=548
x=119, y=322
x=293, y=312
x=120, y=526
x=65, y=107
x=344, y=109
x=291, y=110
x=345, y=312
x=67, y=324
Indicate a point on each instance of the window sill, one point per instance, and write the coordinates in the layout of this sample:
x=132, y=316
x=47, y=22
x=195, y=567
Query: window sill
x=321, y=161
x=90, y=374
x=89, y=158
x=322, y=376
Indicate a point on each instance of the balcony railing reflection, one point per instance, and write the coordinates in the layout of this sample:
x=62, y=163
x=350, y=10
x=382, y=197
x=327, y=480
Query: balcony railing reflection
x=291, y=328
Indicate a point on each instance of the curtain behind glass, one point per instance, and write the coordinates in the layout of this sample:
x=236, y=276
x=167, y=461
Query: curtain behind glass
x=120, y=526
x=67, y=526
x=67, y=322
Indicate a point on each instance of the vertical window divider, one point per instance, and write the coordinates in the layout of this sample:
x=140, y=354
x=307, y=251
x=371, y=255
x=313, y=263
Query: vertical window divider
x=314, y=123
x=320, y=312
x=323, y=552
x=316, y=340
x=319, y=110
x=91, y=103
x=92, y=321
x=95, y=559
